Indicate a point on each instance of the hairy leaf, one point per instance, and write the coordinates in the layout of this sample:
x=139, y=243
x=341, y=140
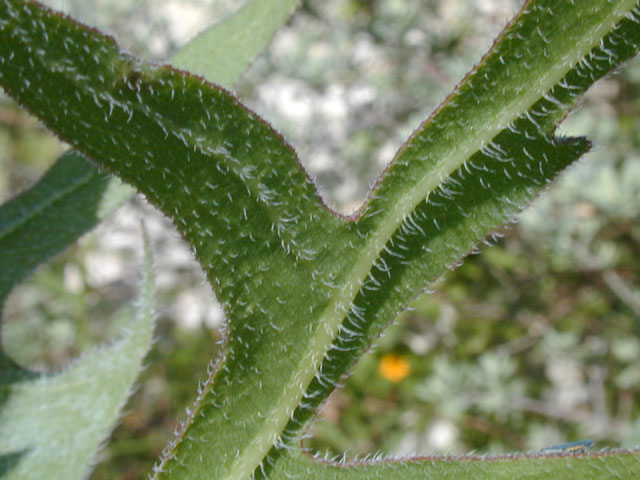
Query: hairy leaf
x=305, y=290
x=71, y=198
x=74, y=196
x=53, y=424
x=600, y=466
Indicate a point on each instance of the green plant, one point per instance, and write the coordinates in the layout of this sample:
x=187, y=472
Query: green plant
x=305, y=290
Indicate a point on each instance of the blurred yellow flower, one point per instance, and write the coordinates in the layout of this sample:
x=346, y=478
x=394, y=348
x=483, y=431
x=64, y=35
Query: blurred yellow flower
x=393, y=367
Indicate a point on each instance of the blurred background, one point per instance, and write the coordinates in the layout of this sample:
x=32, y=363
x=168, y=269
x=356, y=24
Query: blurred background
x=533, y=342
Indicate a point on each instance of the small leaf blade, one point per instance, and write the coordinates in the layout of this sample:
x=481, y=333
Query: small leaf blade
x=70, y=199
x=52, y=425
x=224, y=51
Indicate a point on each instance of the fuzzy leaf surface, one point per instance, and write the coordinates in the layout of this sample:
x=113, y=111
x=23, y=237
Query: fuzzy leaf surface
x=53, y=424
x=609, y=465
x=230, y=183
x=306, y=291
x=74, y=196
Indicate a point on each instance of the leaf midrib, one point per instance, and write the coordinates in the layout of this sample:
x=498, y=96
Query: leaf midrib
x=333, y=316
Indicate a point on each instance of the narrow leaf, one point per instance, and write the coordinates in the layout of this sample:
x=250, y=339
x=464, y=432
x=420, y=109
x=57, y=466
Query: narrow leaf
x=68, y=201
x=224, y=51
x=52, y=425
x=609, y=465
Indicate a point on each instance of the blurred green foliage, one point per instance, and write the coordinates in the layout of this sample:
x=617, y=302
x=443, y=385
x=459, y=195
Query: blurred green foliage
x=533, y=342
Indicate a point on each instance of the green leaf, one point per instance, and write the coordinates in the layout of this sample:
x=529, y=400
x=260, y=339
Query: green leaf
x=305, y=290
x=530, y=467
x=71, y=198
x=74, y=196
x=224, y=51
x=53, y=424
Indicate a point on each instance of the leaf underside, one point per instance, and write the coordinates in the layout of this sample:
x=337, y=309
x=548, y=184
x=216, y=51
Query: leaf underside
x=306, y=290
x=74, y=195
x=70, y=199
x=52, y=424
x=610, y=465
